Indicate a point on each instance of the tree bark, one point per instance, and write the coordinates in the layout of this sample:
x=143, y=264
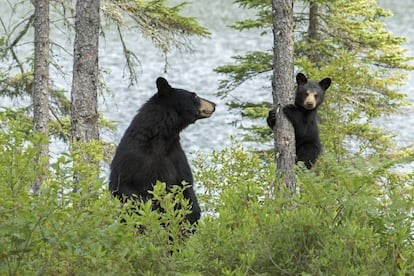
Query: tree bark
x=41, y=83
x=283, y=89
x=313, y=31
x=313, y=21
x=84, y=104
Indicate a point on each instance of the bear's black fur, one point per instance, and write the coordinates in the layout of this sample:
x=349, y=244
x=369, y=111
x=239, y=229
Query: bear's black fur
x=150, y=149
x=303, y=116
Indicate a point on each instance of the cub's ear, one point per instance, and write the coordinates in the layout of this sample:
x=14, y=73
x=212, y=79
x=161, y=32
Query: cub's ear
x=325, y=83
x=301, y=79
x=163, y=86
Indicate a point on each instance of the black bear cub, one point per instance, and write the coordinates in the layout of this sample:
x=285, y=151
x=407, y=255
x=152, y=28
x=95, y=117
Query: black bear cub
x=302, y=115
x=150, y=149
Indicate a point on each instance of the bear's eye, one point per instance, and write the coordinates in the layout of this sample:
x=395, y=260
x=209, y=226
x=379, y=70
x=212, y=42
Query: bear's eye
x=195, y=97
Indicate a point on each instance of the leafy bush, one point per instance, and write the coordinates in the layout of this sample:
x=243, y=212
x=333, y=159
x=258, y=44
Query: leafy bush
x=349, y=218
x=62, y=232
x=353, y=217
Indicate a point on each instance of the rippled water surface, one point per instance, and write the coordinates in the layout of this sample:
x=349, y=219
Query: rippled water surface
x=189, y=71
x=194, y=72
x=401, y=24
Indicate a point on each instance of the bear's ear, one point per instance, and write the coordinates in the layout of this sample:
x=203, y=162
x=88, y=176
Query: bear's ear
x=163, y=86
x=301, y=79
x=325, y=83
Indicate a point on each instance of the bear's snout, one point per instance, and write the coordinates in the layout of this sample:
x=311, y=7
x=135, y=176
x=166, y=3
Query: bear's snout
x=310, y=100
x=309, y=105
x=207, y=108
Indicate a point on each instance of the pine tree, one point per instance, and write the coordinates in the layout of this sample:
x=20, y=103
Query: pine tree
x=162, y=24
x=344, y=40
x=41, y=83
x=282, y=89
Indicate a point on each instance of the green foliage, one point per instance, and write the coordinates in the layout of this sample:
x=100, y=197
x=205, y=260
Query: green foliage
x=16, y=86
x=61, y=232
x=263, y=16
x=348, y=218
x=256, y=112
x=20, y=87
x=352, y=217
x=251, y=65
x=157, y=21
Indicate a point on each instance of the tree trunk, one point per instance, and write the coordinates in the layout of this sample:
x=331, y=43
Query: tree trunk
x=313, y=21
x=84, y=104
x=313, y=31
x=41, y=83
x=283, y=89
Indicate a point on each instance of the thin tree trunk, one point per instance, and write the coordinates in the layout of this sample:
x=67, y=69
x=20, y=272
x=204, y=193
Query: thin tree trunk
x=84, y=104
x=41, y=83
x=313, y=21
x=313, y=30
x=283, y=89
x=84, y=107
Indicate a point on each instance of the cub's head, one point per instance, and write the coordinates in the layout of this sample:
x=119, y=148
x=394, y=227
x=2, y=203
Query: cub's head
x=310, y=94
x=186, y=104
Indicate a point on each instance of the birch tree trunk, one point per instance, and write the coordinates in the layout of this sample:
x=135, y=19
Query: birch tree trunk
x=283, y=89
x=41, y=83
x=84, y=104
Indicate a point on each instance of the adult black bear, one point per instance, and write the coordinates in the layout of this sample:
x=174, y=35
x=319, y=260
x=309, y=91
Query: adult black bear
x=303, y=116
x=150, y=149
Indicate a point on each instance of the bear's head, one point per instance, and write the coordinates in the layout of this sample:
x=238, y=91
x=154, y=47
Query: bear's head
x=188, y=105
x=310, y=94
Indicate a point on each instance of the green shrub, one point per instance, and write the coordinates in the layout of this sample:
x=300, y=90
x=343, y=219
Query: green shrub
x=353, y=217
x=62, y=232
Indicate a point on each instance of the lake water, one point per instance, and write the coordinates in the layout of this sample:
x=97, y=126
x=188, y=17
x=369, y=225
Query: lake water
x=401, y=25
x=195, y=72
x=189, y=71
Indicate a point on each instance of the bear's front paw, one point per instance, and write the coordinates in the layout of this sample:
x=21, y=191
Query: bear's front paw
x=271, y=118
x=289, y=107
x=290, y=110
